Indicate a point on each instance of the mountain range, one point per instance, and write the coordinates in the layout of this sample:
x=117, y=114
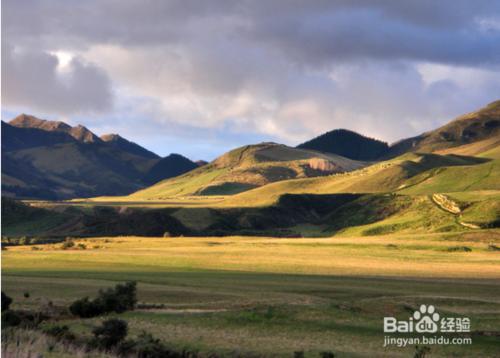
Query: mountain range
x=445, y=180
x=51, y=160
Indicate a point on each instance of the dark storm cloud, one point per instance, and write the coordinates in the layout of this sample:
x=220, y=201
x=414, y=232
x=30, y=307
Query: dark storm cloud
x=312, y=31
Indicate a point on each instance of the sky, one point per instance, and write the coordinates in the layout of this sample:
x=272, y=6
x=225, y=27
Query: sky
x=202, y=77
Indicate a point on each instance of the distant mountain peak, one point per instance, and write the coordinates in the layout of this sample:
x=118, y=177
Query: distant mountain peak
x=78, y=132
x=348, y=144
x=83, y=134
x=171, y=166
x=111, y=137
x=29, y=121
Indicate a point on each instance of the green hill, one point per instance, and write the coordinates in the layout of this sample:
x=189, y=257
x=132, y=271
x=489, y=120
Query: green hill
x=274, y=190
x=249, y=167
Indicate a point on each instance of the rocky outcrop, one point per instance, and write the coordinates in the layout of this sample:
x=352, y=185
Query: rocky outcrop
x=324, y=165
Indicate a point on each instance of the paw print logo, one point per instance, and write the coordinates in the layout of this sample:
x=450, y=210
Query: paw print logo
x=426, y=318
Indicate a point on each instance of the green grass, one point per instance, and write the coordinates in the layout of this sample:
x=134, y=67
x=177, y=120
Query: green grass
x=484, y=213
x=273, y=296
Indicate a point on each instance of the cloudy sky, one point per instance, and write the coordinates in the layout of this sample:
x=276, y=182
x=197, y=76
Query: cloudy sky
x=201, y=77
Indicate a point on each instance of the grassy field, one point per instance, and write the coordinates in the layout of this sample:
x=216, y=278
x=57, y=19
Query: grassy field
x=275, y=296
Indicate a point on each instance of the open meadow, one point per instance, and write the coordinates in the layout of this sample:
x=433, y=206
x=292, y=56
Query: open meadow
x=273, y=296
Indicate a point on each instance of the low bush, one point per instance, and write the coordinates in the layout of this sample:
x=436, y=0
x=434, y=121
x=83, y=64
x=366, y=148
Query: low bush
x=110, y=333
x=11, y=319
x=492, y=247
x=23, y=319
x=85, y=308
x=121, y=298
x=60, y=332
x=6, y=301
x=459, y=249
x=421, y=352
x=68, y=244
x=147, y=346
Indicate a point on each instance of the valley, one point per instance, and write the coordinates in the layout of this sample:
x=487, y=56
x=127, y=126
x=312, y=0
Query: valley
x=271, y=250
x=268, y=296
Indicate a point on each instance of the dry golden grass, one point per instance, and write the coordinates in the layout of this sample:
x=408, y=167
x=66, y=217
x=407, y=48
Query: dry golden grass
x=420, y=256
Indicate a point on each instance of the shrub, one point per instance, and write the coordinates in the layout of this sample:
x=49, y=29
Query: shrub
x=85, y=308
x=26, y=295
x=6, y=301
x=459, y=248
x=167, y=234
x=24, y=319
x=110, y=333
x=68, y=244
x=60, y=332
x=82, y=246
x=119, y=299
x=327, y=354
x=298, y=354
x=10, y=319
x=421, y=352
x=24, y=240
x=492, y=247
x=146, y=346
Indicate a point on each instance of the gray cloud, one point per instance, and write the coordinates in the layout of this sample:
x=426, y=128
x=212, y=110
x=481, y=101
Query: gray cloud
x=443, y=31
x=31, y=79
x=282, y=69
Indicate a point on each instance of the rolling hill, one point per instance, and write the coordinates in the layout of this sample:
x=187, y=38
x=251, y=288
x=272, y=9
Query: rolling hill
x=469, y=128
x=249, y=167
x=269, y=189
x=52, y=160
